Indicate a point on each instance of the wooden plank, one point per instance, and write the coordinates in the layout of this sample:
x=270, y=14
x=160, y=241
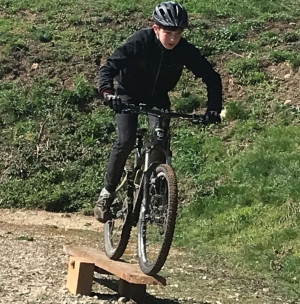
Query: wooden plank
x=125, y=271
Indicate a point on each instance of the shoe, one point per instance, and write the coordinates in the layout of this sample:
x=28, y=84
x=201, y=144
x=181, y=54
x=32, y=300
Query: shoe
x=102, y=208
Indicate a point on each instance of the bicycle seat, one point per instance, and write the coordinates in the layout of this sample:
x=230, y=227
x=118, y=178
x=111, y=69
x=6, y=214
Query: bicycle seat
x=141, y=131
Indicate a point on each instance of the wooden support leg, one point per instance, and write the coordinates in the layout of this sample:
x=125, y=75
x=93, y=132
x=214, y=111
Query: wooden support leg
x=136, y=292
x=80, y=276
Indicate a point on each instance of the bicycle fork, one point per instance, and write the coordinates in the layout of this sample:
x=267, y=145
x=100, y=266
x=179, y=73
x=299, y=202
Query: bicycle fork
x=146, y=181
x=141, y=184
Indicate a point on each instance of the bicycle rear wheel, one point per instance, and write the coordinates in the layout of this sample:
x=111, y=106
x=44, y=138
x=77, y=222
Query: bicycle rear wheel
x=157, y=221
x=117, y=231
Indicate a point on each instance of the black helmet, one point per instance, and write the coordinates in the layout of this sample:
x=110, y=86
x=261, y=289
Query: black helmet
x=171, y=14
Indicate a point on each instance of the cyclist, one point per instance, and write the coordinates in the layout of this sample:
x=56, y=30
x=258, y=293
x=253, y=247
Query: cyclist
x=146, y=67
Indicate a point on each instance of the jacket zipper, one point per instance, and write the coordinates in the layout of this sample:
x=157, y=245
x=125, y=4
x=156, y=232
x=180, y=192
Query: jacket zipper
x=155, y=81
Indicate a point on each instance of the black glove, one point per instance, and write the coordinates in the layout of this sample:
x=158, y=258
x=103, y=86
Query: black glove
x=113, y=101
x=212, y=117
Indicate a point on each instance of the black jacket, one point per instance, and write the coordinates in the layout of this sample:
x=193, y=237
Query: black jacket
x=145, y=71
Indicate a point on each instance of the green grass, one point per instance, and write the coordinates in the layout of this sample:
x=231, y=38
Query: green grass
x=239, y=185
x=246, y=205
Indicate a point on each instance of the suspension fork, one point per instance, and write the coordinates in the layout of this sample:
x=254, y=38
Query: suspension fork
x=168, y=149
x=141, y=195
x=163, y=140
x=140, y=191
x=145, y=200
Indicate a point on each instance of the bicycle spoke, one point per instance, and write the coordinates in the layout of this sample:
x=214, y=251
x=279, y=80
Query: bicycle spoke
x=155, y=218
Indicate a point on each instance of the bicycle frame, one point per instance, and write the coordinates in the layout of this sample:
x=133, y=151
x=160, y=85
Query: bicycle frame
x=146, y=159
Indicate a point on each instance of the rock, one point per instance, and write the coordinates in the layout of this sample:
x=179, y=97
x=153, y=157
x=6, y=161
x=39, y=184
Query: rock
x=223, y=113
x=34, y=66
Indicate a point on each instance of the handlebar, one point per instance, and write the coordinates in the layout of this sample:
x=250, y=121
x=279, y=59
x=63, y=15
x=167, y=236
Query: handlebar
x=143, y=109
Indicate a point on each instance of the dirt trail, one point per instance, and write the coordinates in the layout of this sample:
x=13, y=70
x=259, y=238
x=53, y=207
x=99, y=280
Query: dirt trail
x=33, y=266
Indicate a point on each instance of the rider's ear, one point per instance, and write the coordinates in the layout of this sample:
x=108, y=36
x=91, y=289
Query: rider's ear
x=155, y=28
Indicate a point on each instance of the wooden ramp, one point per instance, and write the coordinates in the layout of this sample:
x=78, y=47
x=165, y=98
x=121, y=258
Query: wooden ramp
x=83, y=262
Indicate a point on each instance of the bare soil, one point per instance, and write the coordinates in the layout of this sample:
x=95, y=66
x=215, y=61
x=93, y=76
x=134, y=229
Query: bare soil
x=18, y=67
x=34, y=266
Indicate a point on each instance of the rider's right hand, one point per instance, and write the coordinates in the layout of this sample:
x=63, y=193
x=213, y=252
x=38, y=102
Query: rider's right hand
x=114, y=102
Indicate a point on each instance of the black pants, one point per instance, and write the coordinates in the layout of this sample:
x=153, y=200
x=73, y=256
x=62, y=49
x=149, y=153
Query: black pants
x=127, y=127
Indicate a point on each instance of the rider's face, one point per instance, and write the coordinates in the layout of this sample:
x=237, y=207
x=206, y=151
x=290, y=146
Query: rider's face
x=168, y=38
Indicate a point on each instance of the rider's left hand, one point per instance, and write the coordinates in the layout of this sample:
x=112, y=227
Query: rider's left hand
x=212, y=117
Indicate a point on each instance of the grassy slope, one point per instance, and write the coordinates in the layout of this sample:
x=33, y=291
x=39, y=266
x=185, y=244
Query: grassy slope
x=242, y=198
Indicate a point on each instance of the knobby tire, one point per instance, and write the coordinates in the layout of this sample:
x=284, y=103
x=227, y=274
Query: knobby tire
x=115, y=251
x=152, y=268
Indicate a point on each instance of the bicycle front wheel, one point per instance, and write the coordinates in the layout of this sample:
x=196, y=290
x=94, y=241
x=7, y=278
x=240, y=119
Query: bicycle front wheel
x=157, y=220
x=117, y=231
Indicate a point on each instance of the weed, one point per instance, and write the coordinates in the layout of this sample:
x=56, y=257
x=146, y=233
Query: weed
x=25, y=238
x=236, y=110
x=187, y=103
x=246, y=70
x=282, y=56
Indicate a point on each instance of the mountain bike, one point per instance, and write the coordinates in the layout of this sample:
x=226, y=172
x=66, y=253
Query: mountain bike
x=147, y=196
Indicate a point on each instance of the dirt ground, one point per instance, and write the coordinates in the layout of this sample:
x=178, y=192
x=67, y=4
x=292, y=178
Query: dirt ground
x=34, y=266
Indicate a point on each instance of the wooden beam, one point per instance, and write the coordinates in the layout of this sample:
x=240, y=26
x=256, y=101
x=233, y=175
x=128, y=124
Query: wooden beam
x=130, y=273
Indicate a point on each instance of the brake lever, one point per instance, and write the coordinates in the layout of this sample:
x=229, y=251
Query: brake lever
x=196, y=121
x=127, y=111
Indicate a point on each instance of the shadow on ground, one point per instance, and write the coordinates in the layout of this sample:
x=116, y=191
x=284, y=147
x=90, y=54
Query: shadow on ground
x=149, y=299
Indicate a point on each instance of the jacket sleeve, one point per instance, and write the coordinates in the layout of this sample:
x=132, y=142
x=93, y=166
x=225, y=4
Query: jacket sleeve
x=119, y=60
x=201, y=68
